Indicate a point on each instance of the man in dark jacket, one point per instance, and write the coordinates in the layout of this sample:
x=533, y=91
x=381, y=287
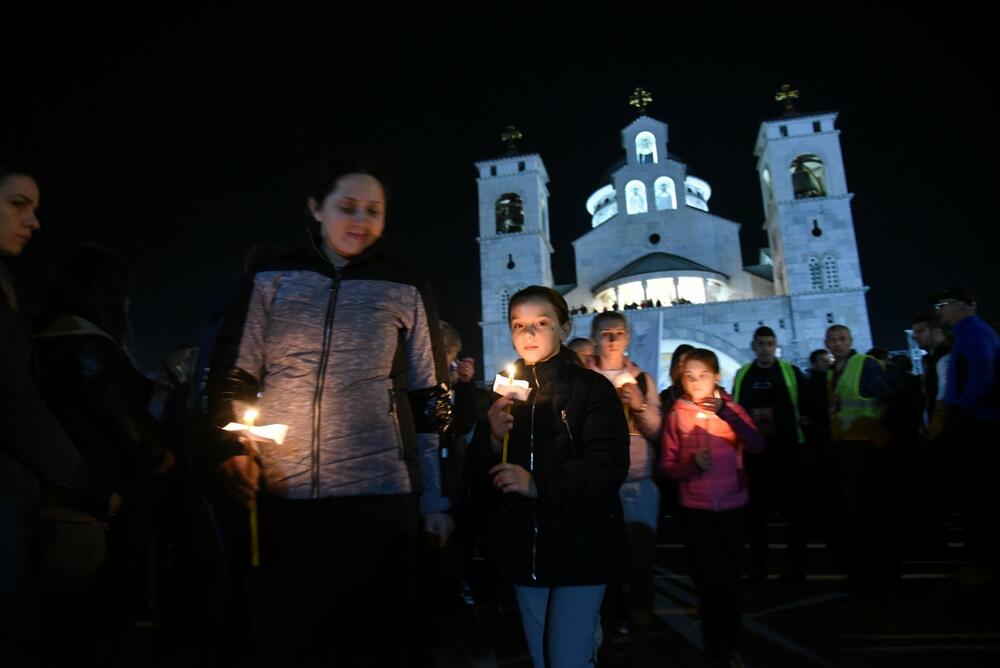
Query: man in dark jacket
x=773, y=392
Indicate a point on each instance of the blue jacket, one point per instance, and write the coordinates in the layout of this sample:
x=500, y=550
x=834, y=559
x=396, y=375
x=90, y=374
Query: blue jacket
x=972, y=383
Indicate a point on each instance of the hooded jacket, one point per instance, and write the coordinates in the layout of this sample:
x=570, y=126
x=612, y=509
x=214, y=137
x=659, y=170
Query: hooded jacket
x=688, y=429
x=349, y=359
x=572, y=437
x=92, y=387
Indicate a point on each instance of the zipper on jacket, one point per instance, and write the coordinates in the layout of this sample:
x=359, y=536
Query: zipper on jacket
x=566, y=422
x=395, y=421
x=531, y=468
x=321, y=380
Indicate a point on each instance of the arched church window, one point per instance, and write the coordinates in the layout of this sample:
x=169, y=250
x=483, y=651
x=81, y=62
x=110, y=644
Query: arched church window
x=664, y=193
x=815, y=273
x=765, y=177
x=635, y=197
x=645, y=147
x=831, y=275
x=808, y=178
x=510, y=213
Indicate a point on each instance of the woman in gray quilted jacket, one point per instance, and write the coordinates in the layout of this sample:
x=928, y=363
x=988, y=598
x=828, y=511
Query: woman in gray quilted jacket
x=341, y=344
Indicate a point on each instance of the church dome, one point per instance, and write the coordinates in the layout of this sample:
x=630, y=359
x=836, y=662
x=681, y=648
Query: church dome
x=657, y=263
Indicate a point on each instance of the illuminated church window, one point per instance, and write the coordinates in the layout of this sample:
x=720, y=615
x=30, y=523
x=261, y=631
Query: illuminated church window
x=635, y=197
x=510, y=213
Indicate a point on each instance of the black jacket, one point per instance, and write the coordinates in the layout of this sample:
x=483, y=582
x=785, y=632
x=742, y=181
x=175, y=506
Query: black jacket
x=102, y=402
x=36, y=456
x=34, y=450
x=572, y=436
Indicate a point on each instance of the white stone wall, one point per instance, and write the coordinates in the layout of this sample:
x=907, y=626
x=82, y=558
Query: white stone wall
x=800, y=322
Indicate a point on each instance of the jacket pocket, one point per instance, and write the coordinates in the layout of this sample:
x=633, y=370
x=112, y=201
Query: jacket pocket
x=565, y=421
x=394, y=415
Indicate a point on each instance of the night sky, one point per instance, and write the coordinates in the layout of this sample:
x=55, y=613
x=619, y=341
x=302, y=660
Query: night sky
x=182, y=139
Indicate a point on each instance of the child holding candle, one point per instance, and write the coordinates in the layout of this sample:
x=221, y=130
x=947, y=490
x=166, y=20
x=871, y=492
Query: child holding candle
x=559, y=535
x=703, y=441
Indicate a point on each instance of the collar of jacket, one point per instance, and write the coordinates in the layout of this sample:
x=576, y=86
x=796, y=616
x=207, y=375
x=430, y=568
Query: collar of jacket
x=306, y=252
x=549, y=370
x=312, y=243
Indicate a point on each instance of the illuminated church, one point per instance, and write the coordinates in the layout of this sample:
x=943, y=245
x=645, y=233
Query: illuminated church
x=657, y=253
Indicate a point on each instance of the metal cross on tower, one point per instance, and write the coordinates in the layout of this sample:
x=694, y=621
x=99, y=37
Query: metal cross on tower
x=787, y=94
x=640, y=99
x=510, y=137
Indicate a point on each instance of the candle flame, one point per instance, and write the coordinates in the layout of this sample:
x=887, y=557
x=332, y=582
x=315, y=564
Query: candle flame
x=510, y=372
x=249, y=416
x=701, y=415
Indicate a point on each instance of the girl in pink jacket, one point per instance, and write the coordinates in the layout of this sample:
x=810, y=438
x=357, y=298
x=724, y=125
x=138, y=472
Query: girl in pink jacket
x=703, y=441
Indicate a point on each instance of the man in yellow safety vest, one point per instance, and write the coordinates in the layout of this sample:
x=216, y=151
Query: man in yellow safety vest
x=856, y=389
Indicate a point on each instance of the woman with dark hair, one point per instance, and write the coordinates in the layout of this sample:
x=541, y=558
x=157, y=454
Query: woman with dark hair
x=101, y=400
x=341, y=343
x=37, y=459
x=558, y=461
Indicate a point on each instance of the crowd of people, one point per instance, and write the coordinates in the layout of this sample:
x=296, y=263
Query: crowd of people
x=325, y=451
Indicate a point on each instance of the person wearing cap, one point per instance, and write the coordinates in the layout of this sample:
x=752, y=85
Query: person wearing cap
x=972, y=419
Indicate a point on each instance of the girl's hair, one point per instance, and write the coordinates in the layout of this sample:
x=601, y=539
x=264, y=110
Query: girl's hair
x=12, y=164
x=450, y=338
x=705, y=356
x=541, y=293
x=675, y=362
x=601, y=318
x=335, y=167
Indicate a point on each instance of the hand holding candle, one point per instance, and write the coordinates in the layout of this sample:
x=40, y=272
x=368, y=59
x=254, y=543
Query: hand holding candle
x=622, y=381
x=703, y=455
x=501, y=422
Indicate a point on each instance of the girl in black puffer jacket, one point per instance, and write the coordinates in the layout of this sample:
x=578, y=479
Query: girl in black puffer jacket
x=558, y=534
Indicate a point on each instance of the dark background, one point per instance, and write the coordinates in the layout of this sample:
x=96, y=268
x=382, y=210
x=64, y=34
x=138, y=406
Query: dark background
x=180, y=139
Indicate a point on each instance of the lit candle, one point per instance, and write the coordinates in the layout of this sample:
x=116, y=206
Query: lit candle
x=620, y=381
x=248, y=419
x=506, y=437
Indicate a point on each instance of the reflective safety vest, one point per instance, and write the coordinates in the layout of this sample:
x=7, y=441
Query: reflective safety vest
x=791, y=384
x=853, y=417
